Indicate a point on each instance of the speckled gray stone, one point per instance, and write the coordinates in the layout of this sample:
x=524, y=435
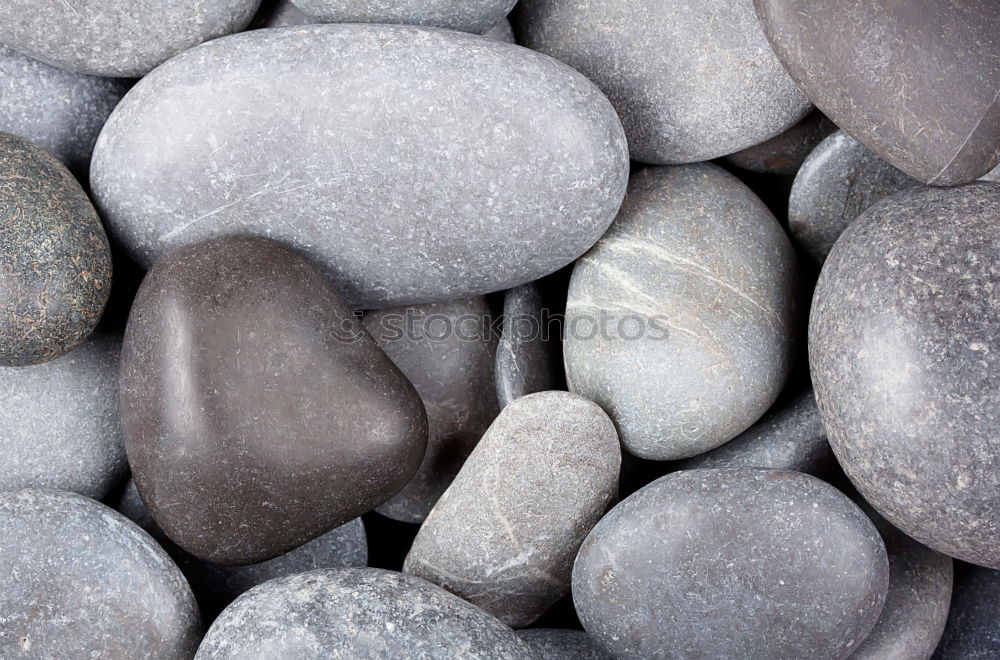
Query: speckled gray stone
x=502, y=31
x=703, y=562
x=681, y=321
x=257, y=412
x=905, y=359
x=973, y=630
x=476, y=16
x=279, y=13
x=472, y=188
x=691, y=80
x=527, y=359
x=125, y=38
x=81, y=581
x=446, y=350
x=784, y=154
x=357, y=613
x=554, y=644
x=59, y=423
x=55, y=262
x=839, y=180
x=916, y=82
x=504, y=535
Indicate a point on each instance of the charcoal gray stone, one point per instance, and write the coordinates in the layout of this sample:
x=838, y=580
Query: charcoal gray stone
x=555, y=644
x=838, y=181
x=916, y=82
x=476, y=16
x=446, y=350
x=59, y=424
x=504, y=535
x=502, y=31
x=973, y=632
x=784, y=154
x=357, y=613
x=701, y=562
x=681, y=322
x=79, y=580
x=279, y=13
x=472, y=189
x=527, y=359
x=905, y=359
x=257, y=412
x=55, y=262
x=691, y=80
x=125, y=38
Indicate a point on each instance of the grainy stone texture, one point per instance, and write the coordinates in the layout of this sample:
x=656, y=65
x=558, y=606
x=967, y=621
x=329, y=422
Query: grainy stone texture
x=905, y=359
x=55, y=262
x=838, y=181
x=916, y=82
x=973, y=632
x=465, y=187
x=701, y=562
x=504, y=535
x=527, y=359
x=553, y=644
x=502, y=31
x=446, y=350
x=257, y=412
x=691, y=80
x=681, y=321
x=784, y=154
x=279, y=13
x=476, y=16
x=59, y=423
x=81, y=581
x=357, y=613
x=125, y=38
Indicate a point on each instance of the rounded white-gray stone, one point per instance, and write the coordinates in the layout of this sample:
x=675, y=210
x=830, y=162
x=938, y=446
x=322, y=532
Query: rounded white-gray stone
x=476, y=16
x=557, y=644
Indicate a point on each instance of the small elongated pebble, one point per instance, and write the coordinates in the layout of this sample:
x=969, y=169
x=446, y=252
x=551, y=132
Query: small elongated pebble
x=681, y=321
x=79, y=580
x=701, y=562
x=504, y=534
x=527, y=359
x=554, y=644
x=55, y=261
x=971, y=632
x=784, y=153
x=476, y=16
x=357, y=613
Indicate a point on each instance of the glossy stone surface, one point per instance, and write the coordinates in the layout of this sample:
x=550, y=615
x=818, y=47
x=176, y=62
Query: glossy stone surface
x=124, y=38
x=916, y=82
x=458, y=205
x=476, y=16
x=79, y=580
x=357, y=613
x=554, y=644
x=681, y=321
x=776, y=564
x=55, y=262
x=257, y=412
x=691, y=80
x=527, y=358
x=972, y=630
x=838, y=181
x=905, y=359
x=784, y=153
x=446, y=350
x=504, y=534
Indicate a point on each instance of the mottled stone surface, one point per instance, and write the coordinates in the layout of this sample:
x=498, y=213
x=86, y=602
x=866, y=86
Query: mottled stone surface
x=357, y=613
x=691, y=80
x=701, y=562
x=124, y=38
x=476, y=16
x=465, y=187
x=55, y=262
x=905, y=359
x=257, y=412
x=916, y=82
x=784, y=153
x=839, y=180
x=554, y=644
x=973, y=631
x=81, y=581
x=527, y=358
x=681, y=321
x=502, y=31
x=279, y=13
x=446, y=350
x=504, y=535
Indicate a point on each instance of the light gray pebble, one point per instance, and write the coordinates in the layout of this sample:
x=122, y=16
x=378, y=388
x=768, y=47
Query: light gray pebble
x=476, y=16
x=527, y=358
x=973, y=629
x=555, y=644
x=784, y=153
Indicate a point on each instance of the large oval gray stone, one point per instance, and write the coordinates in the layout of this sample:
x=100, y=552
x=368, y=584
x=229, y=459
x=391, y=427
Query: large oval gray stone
x=555, y=644
x=972, y=630
x=476, y=16
x=701, y=562
x=784, y=153
x=905, y=358
x=681, y=321
x=504, y=534
x=79, y=580
x=464, y=188
x=527, y=359
x=691, y=80
x=357, y=613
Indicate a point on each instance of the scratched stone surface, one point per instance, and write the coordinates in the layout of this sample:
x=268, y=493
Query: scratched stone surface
x=476, y=16
x=527, y=359
x=784, y=153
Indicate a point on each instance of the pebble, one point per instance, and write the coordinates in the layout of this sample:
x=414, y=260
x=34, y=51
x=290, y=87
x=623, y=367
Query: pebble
x=691, y=80
x=446, y=350
x=476, y=16
x=554, y=644
x=701, y=562
x=527, y=359
x=55, y=262
x=81, y=581
x=234, y=345
x=681, y=322
x=357, y=613
x=784, y=154
x=504, y=534
x=502, y=31
x=463, y=165
x=971, y=633
x=923, y=98
x=905, y=359
x=838, y=181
